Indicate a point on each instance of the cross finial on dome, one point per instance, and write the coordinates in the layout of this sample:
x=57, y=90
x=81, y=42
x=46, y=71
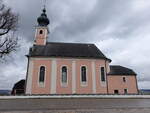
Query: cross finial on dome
x=44, y=9
x=43, y=20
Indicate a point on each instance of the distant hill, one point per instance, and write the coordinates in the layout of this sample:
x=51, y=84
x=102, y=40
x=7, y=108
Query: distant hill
x=5, y=92
x=145, y=91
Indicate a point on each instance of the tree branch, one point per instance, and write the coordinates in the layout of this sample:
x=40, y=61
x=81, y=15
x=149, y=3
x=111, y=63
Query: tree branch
x=8, y=26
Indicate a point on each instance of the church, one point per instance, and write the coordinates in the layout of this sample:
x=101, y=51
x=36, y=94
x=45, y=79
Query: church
x=73, y=68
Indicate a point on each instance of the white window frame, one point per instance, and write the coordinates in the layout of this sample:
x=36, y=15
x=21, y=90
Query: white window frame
x=84, y=83
x=101, y=74
x=64, y=84
x=103, y=83
x=41, y=84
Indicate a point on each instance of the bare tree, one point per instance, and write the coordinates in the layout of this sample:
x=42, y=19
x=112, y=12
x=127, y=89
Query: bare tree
x=8, y=26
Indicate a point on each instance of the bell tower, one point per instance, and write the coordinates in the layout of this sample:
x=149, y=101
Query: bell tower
x=42, y=31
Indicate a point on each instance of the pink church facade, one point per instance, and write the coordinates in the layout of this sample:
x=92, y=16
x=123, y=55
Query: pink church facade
x=73, y=68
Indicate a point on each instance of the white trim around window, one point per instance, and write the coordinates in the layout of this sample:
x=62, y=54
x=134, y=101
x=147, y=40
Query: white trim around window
x=103, y=83
x=63, y=84
x=41, y=84
x=84, y=84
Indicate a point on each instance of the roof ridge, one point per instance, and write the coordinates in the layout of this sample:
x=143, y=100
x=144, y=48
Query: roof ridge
x=115, y=65
x=69, y=43
x=121, y=66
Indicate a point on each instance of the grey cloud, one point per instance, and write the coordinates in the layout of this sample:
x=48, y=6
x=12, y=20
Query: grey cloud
x=114, y=25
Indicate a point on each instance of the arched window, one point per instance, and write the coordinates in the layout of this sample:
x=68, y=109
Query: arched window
x=64, y=74
x=42, y=74
x=41, y=31
x=102, y=74
x=83, y=74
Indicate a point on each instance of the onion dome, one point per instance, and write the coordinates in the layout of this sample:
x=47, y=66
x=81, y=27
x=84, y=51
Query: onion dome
x=43, y=20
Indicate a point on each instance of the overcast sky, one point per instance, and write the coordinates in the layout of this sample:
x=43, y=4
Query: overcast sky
x=120, y=29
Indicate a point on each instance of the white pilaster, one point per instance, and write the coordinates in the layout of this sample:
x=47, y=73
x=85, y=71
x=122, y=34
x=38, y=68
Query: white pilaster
x=29, y=77
x=93, y=77
x=53, y=76
x=73, y=76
